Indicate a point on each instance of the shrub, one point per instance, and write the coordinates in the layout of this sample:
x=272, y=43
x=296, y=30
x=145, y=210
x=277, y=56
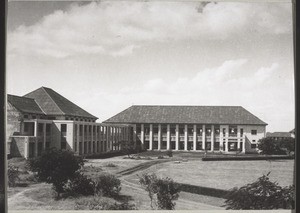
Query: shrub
x=97, y=203
x=56, y=167
x=111, y=165
x=270, y=146
x=160, y=157
x=13, y=175
x=161, y=191
x=80, y=184
x=261, y=194
x=108, y=185
x=169, y=153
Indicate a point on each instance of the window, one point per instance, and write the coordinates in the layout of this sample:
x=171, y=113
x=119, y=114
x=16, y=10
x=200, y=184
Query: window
x=25, y=116
x=63, y=143
x=33, y=117
x=242, y=132
x=26, y=127
x=254, y=132
x=48, y=128
x=64, y=128
x=253, y=141
x=253, y=146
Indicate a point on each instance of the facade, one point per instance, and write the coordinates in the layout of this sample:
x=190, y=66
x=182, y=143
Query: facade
x=44, y=119
x=196, y=128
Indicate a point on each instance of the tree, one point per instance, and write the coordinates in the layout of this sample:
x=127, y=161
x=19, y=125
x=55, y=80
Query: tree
x=127, y=147
x=261, y=194
x=161, y=191
x=270, y=146
x=56, y=167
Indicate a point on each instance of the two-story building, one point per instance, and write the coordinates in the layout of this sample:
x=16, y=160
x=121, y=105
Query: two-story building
x=43, y=119
x=196, y=128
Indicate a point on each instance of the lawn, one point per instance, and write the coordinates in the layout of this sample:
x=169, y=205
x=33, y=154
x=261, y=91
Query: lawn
x=223, y=174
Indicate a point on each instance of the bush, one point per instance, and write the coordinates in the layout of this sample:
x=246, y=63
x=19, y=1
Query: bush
x=108, y=185
x=56, y=167
x=13, y=175
x=169, y=153
x=80, y=185
x=261, y=194
x=97, y=203
x=270, y=146
x=161, y=191
x=160, y=157
x=111, y=165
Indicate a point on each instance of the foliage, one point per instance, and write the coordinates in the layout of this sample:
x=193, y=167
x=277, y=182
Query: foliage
x=161, y=191
x=80, y=184
x=169, y=153
x=160, y=157
x=111, y=165
x=108, y=185
x=97, y=203
x=270, y=146
x=56, y=167
x=13, y=175
x=261, y=194
x=127, y=147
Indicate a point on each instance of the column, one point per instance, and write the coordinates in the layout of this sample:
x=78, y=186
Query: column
x=151, y=137
x=226, y=139
x=244, y=144
x=44, y=136
x=203, y=137
x=92, y=138
x=36, y=139
x=185, y=137
x=142, y=136
x=238, y=136
x=26, y=148
x=168, y=136
x=221, y=138
x=212, y=135
x=159, y=137
x=195, y=137
x=83, y=140
x=78, y=139
x=134, y=136
x=177, y=137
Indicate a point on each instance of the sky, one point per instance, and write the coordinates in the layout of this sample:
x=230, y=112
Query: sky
x=106, y=56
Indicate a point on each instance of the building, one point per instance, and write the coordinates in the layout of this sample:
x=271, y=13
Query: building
x=280, y=135
x=197, y=128
x=43, y=119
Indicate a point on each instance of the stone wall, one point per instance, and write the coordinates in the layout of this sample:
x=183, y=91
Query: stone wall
x=13, y=126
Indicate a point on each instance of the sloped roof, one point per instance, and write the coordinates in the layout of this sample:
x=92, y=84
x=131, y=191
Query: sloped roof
x=186, y=115
x=279, y=134
x=53, y=103
x=25, y=105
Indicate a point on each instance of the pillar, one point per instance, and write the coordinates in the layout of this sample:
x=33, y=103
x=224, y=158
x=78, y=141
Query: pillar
x=221, y=138
x=78, y=139
x=185, y=137
x=36, y=138
x=159, y=137
x=83, y=139
x=142, y=136
x=226, y=139
x=168, y=136
x=194, y=137
x=151, y=137
x=26, y=148
x=177, y=137
x=203, y=137
x=212, y=137
x=92, y=138
x=238, y=136
x=244, y=144
x=44, y=136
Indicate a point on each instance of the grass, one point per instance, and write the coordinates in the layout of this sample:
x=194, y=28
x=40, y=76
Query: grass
x=223, y=174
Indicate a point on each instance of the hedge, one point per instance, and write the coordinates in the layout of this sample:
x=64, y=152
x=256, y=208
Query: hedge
x=201, y=190
x=226, y=158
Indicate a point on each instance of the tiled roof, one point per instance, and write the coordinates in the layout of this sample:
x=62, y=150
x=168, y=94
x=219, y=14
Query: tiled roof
x=279, y=134
x=53, y=103
x=186, y=115
x=25, y=105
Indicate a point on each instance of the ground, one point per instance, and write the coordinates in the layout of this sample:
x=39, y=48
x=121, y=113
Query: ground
x=183, y=168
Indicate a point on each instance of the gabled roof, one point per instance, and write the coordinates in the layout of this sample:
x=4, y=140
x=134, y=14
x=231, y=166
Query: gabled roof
x=186, y=115
x=53, y=103
x=25, y=105
x=279, y=134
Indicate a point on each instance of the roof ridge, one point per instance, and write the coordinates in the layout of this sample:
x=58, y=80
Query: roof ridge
x=39, y=106
x=20, y=96
x=52, y=100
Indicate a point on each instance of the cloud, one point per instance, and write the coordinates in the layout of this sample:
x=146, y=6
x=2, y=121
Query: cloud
x=119, y=28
